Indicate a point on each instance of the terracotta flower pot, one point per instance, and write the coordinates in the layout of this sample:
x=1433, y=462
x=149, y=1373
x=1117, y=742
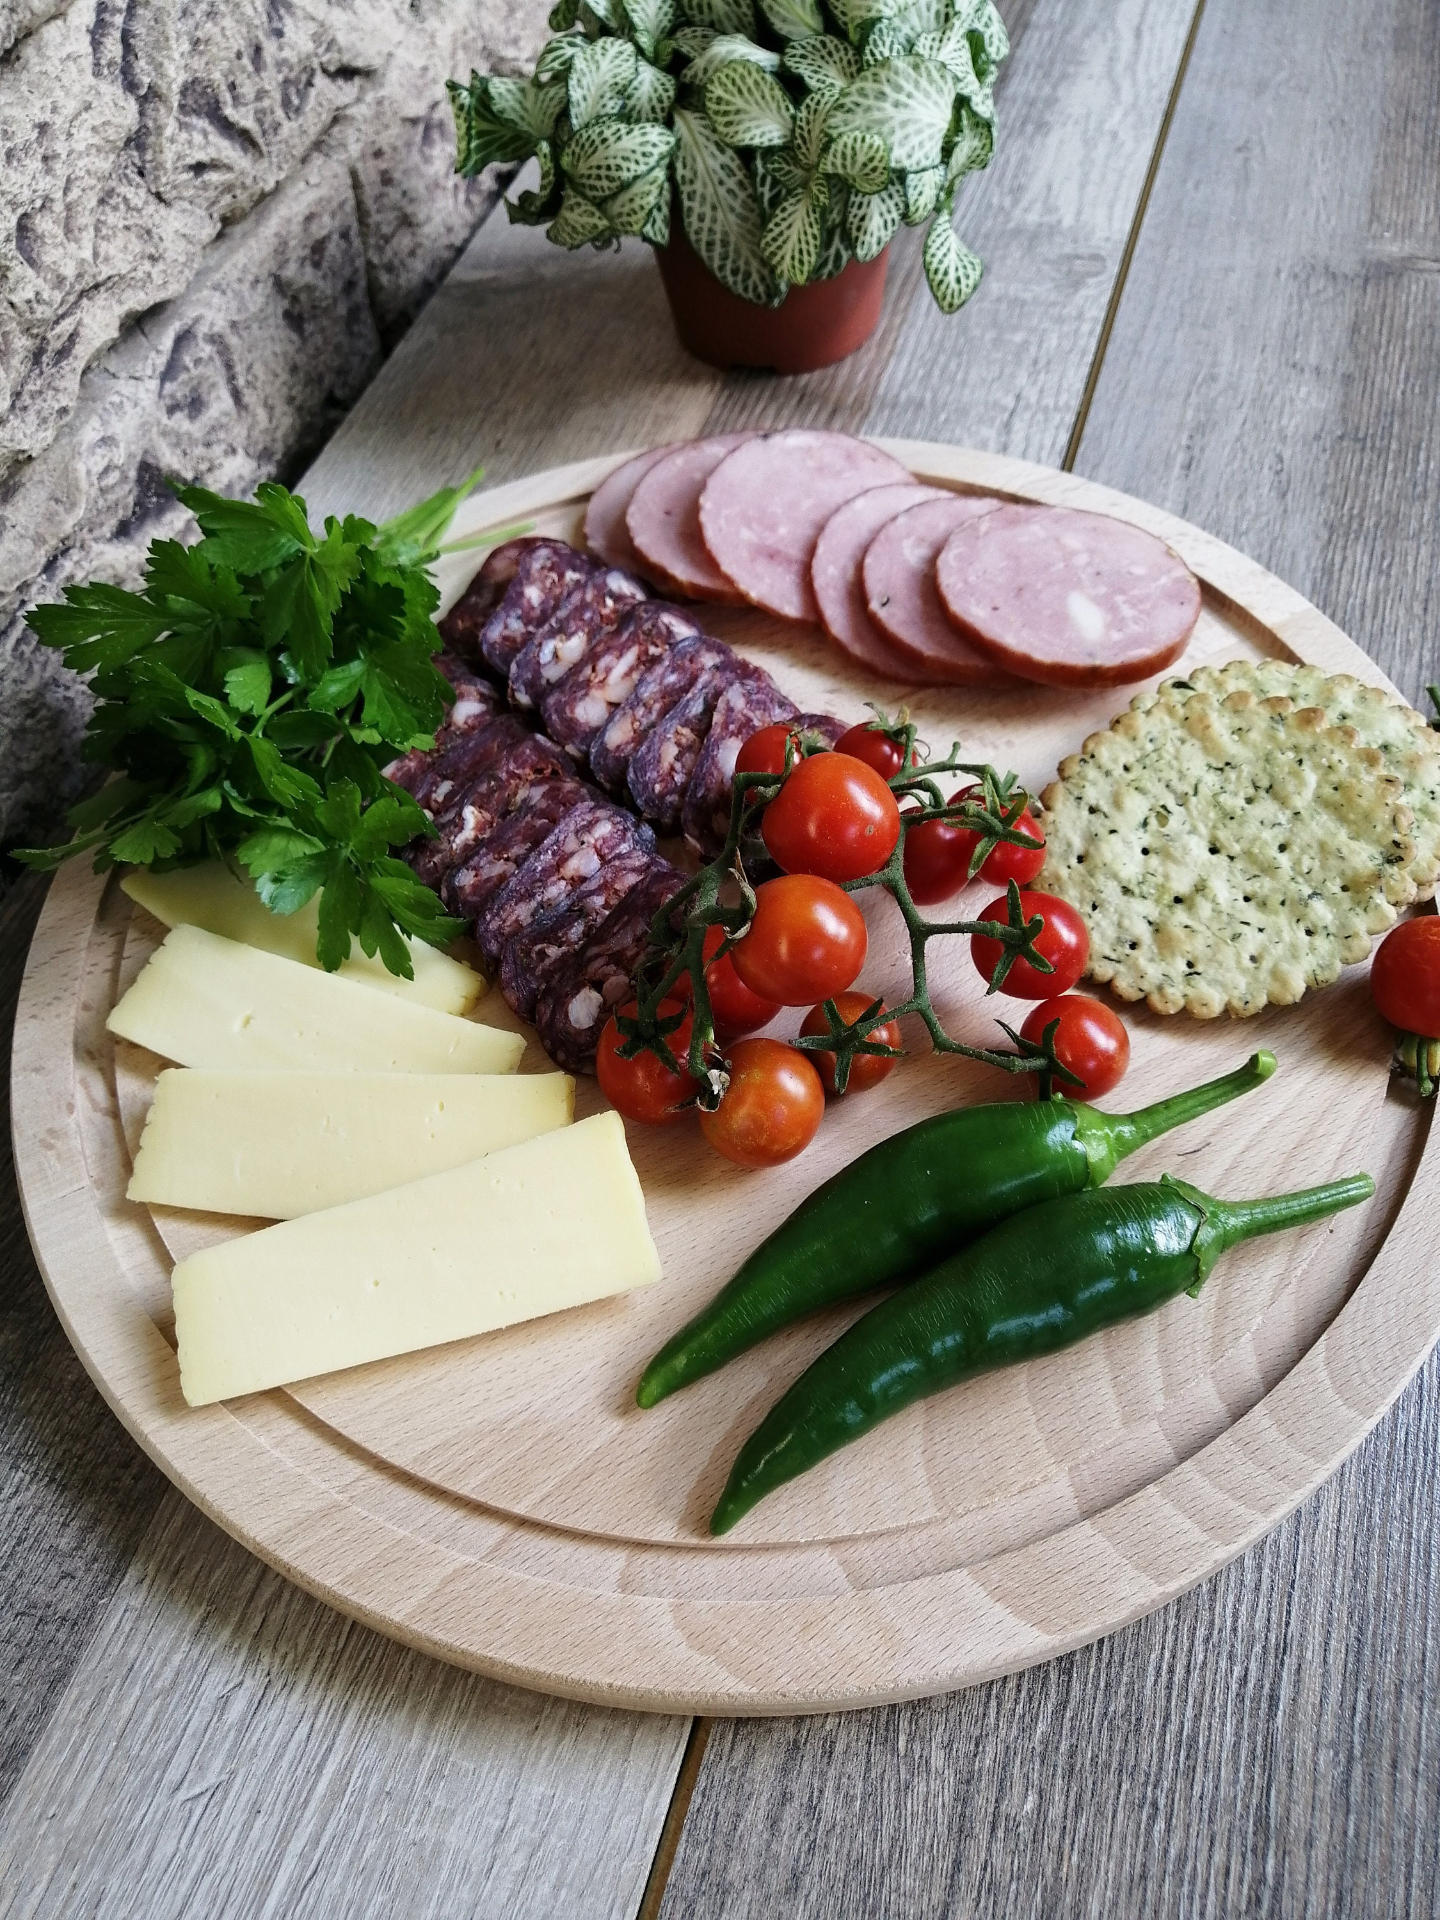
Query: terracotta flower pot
x=812, y=327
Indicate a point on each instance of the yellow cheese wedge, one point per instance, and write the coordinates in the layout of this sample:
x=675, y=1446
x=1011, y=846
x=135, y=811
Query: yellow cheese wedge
x=276, y=1145
x=208, y=1002
x=526, y=1231
x=212, y=897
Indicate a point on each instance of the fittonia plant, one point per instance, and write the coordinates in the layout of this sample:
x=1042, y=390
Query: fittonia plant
x=800, y=134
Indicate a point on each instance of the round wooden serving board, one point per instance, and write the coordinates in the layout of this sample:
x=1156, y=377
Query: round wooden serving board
x=503, y=1503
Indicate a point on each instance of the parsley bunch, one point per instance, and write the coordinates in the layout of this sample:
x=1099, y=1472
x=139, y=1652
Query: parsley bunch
x=247, y=699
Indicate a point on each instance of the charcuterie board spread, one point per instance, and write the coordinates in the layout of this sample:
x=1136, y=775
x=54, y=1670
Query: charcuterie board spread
x=690, y=1288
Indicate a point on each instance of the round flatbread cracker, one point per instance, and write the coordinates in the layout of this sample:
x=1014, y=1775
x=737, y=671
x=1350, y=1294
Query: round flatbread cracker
x=1226, y=854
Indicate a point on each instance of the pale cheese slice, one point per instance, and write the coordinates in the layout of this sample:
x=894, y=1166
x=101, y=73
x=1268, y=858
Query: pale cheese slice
x=208, y=1002
x=527, y=1231
x=276, y=1145
x=212, y=897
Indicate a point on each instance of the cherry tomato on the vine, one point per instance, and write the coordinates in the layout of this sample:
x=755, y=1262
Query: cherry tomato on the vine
x=874, y=747
x=834, y=817
x=1062, y=941
x=772, y=1107
x=1405, y=976
x=1005, y=861
x=806, y=942
x=937, y=860
x=764, y=752
x=1091, y=1041
x=735, y=1008
x=866, y=1069
x=644, y=1088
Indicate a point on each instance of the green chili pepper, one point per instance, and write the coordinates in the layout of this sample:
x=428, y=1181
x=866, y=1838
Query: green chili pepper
x=915, y=1198
x=1039, y=1281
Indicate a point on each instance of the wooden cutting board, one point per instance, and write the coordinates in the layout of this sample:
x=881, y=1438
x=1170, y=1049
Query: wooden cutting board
x=503, y=1503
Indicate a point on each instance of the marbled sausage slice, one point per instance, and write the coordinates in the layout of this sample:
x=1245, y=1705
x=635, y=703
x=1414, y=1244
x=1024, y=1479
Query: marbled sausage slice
x=462, y=627
x=472, y=815
x=470, y=888
x=1068, y=598
x=578, y=707
x=445, y=775
x=572, y=1007
x=660, y=772
x=899, y=577
x=663, y=519
x=746, y=705
x=659, y=689
x=578, y=624
x=765, y=505
x=606, y=534
x=836, y=574
x=591, y=833
x=476, y=703
x=530, y=960
x=546, y=574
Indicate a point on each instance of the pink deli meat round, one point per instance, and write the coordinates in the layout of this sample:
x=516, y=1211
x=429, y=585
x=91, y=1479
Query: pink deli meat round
x=605, y=531
x=838, y=581
x=900, y=596
x=763, y=510
x=663, y=519
x=1068, y=598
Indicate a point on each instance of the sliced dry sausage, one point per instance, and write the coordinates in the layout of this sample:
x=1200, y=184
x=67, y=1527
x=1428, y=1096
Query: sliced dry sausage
x=482, y=802
x=899, y=575
x=463, y=625
x=660, y=771
x=546, y=574
x=448, y=772
x=660, y=688
x=606, y=534
x=663, y=519
x=579, y=706
x=572, y=1007
x=469, y=888
x=591, y=833
x=837, y=576
x=579, y=623
x=530, y=960
x=747, y=704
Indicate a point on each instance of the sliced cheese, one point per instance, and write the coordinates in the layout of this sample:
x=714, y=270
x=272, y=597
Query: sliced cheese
x=529, y=1230
x=208, y=1002
x=212, y=897
x=276, y=1145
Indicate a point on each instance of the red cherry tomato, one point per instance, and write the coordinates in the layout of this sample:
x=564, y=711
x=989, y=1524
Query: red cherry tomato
x=644, y=1088
x=1090, y=1040
x=1405, y=976
x=834, y=817
x=1062, y=941
x=874, y=747
x=866, y=1069
x=937, y=860
x=1006, y=862
x=735, y=1008
x=807, y=941
x=771, y=1109
x=764, y=752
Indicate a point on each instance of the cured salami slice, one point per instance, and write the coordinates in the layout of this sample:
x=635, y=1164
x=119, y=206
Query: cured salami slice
x=591, y=833
x=476, y=701
x=483, y=801
x=660, y=771
x=836, y=574
x=1068, y=598
x=463, y=625
x=546, y=574
x=606, y=534
x=469, y=888
x=578, y=623
x=765, y=505
x=663, y=519
x=446, y=773
x=531, y=960
x=656, y=692
x=572, y=1007
x=578, y=707
x=745, y=706
x=899, y=574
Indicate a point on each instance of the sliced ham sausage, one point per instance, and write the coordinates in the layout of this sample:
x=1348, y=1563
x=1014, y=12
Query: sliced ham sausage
x=606, y=534
x=765, y=505
x=899, y=576
x=1068, y=598
x=836, y=574
x=663, y=519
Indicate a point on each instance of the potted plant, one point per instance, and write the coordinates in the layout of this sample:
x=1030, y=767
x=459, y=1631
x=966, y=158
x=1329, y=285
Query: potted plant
x=796, y=137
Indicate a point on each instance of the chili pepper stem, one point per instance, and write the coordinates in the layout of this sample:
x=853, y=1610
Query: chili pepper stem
x=1109, y=1138
x=1227, y=1222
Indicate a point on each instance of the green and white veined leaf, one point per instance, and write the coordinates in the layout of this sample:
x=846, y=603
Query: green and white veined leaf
x=860, y=159
x=974, y=144
x=720, y=209
x=993, y=38
x=951, y=270
x=650, y=21
x=929, y=16
x=725, y=16
x=954, y=53
x=630, y=210
x=747, y=108
x=596, y=14
x=691, y=41
x=536, y=205
x=854, y=16
x=579, y=220
x=554, y=62
x=835, y=254
x=606, y=156
x=794, y=19
x=785, y=168
x=563, y=15
x=825, y=65
x=888, y=40
x=651, y=94
x=481, y=136
x=922, y=194
x=534, y=110
x=723, y=48
x=769, y=190
x=873, y=219
x=795, y=232
x=907, y=103
x=657, y=228
x=808, y=140
x=600, y=77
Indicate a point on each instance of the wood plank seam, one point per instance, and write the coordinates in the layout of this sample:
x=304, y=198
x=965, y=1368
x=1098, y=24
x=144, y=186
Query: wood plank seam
x=685, y=1783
